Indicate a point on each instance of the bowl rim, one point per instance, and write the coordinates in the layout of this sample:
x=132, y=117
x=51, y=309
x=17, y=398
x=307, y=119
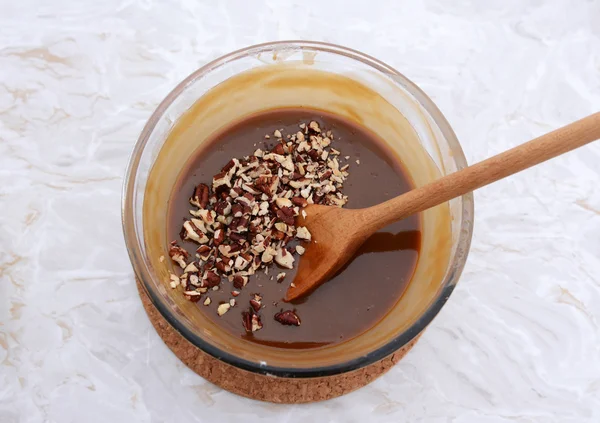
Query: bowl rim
x=143, y=272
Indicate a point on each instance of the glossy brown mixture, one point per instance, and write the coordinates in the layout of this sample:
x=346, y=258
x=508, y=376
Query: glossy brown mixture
x=363, y=292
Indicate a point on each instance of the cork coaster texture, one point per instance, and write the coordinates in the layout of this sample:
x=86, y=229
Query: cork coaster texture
x=261, y=387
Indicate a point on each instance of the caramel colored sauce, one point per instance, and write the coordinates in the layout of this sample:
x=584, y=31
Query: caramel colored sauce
x=362, y=292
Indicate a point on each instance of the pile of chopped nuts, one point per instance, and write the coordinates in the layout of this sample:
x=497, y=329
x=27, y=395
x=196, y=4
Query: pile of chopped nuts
x=245, y=221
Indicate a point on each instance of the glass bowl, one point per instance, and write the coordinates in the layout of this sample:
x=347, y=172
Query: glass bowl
x=298, y=74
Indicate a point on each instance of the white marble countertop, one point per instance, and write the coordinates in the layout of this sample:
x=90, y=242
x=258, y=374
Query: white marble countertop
x=518, y=341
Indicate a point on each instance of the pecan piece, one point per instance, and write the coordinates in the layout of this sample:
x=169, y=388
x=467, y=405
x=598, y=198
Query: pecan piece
x=237, y=237
x=240, y=224
x=246, y=200
x=314, y=154
x=223, y=308
x=223, y=208
x=178, y=254
x=235, y=192
x=222, y=267
x=299, y=201
x=283, y=202
x=303, y=233
x=251, y=321
x=222, y=179
x=284, y=258
x=241, y=263
x=193, y=296
x=300, y=183
x=231, y=163
x=288, y=317
x=268, y=255
x=240, y=281
x=281, y=227
x=194, y=233
x=278, y=149
x=256, y=302
x=237, y=210
x=219, y=237
x=278, y=235
x=314, y=127
x=286, y=215
x=211, y=279
x=326, y=175
x=267, y=184
x=204, y=252
x=200, y=196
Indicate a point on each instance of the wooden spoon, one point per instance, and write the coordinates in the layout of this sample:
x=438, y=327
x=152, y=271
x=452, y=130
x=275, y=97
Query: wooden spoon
x=337, y=233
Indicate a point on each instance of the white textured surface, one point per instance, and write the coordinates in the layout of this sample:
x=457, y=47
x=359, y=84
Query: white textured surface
x=519, y=340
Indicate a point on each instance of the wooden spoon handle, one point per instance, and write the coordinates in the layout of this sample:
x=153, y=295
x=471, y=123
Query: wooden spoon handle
x=483, y=173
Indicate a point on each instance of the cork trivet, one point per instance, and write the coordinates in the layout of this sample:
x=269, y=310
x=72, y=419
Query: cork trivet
x=261, y=387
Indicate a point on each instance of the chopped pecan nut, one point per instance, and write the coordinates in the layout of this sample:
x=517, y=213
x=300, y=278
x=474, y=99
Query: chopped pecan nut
x=211, y=279
x=194, y=280
x=287, y=317
x=299, y=201
x=223, y=308
x=192, y=232
x=280, y=226
x=267, y=184
x=178, y=255
x=222, y=179
x=174, y=281
x=237, y=210
x=268, y=255
x=219, y=237
x=300, y=183
x=200, y=196
x=326, y=175
x=239, y=281
x=230, y=164
x=241, y=263
x=278, y=149
x=251, y=321
x=222, y=267
x=204, y=252
x=284, y=217
x=193, y=296
x=237, y=237
x=256, y=323
x=283, y=202
x=303, y=233
x=284, y=258
x=223, y=208
x=278, y=235
x=256, y=302
x=190, y=268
